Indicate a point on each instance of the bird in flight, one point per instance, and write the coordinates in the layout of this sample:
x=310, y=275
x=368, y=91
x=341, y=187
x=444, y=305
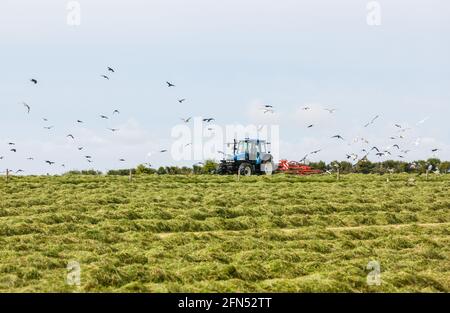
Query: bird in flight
x=397, y=146
x=48, y=127
x=169, y=84
x=13, y=150
x=331, y=111
x=104, y=117
x=27, y=107
x=19, y=171
x=181, y=100
x=306, y=108
x=208, y=120
x=122, y=160
x=162, y=151
x=116, y=112
x=34, y=81
x=310, y=126
x=398, y=125
x=268, y=111
x=372, y=121
x=111, y=69
x=186, y=120
x=30, y=159
x=11, y=144
x=49, y=162
x=113, y=129
x=375, y=148
x=338, y=137
x=105, y=77
x=79, y=121
x=80, y=148
x=70, y=136
x=315, y=152
x=435, y=150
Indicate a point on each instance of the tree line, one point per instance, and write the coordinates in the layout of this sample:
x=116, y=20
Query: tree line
x=363, y=166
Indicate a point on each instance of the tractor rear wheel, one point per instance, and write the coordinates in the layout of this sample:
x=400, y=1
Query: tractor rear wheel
x=245, y=169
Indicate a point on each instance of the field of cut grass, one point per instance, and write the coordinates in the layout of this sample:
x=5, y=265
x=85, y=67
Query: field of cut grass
x=211, y=233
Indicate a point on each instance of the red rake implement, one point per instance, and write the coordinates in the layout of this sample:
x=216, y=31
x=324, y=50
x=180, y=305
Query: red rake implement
x=296, y=168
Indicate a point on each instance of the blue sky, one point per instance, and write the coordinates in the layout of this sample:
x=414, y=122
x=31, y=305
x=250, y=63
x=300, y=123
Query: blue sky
x=227, y=58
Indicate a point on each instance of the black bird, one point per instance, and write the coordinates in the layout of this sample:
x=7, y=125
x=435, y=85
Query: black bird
x=88, y=157
x=208, y=120
x=122, y=160
x=268, y=106
x=310, y=126
x=375, y=148
x=116, y=111
x=27, y=107
x=380, y=154
x=104, y=117
x=34, y=81
x=79, y=121
x=111, y=69
x=338, y=137
x=169, y=84
x=397, y=146
x=371, y=122
x=13, y=150
x=162, y=151
x=80, y=148
x=435, y=150
x=181, y=100
x=70, y=136
x=49, y=162
x=105, y=77
x=11, y=143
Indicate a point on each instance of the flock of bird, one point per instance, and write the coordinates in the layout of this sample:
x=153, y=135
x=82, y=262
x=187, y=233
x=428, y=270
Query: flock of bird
x=355, y=157
x=364, y=153
x=89, y=158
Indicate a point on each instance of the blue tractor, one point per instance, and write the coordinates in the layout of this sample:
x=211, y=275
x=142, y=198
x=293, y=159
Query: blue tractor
x=250, y=156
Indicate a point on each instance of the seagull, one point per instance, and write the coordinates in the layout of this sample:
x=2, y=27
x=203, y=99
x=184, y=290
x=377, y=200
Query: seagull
x=104, y=117
x=268, y=110
x=181, y=100
x=315, y=152
x=116, y=111
x=373, y=120
x=208, y=120
x=30, y=159
x=169, y=84
x=27, y=106
x=435, y=150
x=375, y=148
x=122, y=160
x=45, y=119
x=306, y=108
x=79, y=121
x=49, y=162
x=331, y=111
x=113, y=129
x=380, y=154
x=71, y=136
x=162, y=151
x=310, y=126
x=188, y=144
x=13, y=150
x=111, y=69
x=105, y=77
x=48, y=127
x=80, y=148
x=405, y=151
x=422, y=121
x=398, y=125
x=19, y=171
x=397, y=146
x=268, y=106
x=338, y=137
x=11, y=144
x=34, y=81
x=186, y=120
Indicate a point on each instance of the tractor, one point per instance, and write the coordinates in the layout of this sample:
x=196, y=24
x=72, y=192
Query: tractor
x=250, y=156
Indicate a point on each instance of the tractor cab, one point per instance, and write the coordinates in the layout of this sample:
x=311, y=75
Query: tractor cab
x=250, y=156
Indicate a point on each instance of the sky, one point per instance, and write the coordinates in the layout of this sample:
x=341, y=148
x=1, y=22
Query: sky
x=227, y=59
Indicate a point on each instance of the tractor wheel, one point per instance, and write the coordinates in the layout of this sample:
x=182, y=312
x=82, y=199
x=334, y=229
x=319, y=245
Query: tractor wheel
x=269, y=168
x=245, y=169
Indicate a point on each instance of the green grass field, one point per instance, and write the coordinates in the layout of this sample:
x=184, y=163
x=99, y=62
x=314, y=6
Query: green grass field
x=211, y=233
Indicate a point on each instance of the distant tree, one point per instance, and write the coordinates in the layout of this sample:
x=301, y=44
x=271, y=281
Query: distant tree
x=161, y=171
x=209, y=167
x=142, y=169
x=365, y=167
